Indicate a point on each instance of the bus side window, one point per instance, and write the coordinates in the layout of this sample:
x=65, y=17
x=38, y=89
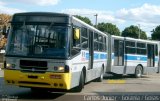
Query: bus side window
x=105, y=44
x=141, y=48
x=100, y=41
x=130, y=47
x=95, y=41
x=156, y=50
x=84, y=38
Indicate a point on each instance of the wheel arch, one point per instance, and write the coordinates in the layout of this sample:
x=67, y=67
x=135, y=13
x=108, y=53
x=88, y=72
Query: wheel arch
x=84, y=72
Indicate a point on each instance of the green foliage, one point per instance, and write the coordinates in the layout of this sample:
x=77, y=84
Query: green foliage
x=156, y=33
x=109, y=28
x=85, y=19
x=133, y=32
x=143, y=35
x=4, y=19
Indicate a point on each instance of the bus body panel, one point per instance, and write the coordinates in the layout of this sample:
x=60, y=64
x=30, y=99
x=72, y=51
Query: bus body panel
x=46, y=32
x=131, y=61
x=93, y=53
x=69, y=80
x=41, y=80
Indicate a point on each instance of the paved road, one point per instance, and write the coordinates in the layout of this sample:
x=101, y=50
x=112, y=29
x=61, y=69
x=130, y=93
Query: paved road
x=109, y=86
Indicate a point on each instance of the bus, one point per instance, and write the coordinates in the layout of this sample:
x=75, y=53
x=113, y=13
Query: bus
x=132, y=56
x=53, y=51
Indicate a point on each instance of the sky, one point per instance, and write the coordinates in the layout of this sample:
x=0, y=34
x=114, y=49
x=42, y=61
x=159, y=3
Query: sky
x=122, y=13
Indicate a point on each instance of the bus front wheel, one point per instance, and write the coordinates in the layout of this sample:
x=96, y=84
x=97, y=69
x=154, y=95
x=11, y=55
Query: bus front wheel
x=81, y=83
x=138, y=71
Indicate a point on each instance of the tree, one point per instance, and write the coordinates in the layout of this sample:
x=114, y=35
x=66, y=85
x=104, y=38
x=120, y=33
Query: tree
x=134, y=31
x=109, y=28
x=4, y=19
x=85, y=19
x=143, y=35
x=156, y=33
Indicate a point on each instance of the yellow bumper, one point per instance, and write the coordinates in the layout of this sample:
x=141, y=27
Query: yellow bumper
x=43, y=80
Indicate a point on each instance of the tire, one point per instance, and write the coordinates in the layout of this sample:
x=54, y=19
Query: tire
x=81, y=83
x=100, y=78
x=138, y=72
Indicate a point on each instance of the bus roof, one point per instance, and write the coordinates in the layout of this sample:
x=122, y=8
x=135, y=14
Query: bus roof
x=41, y=13
x=133, y=39
x=60, y=14
x=89, y=26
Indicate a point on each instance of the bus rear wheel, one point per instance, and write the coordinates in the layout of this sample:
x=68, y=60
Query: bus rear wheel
x=138, y=72
x=100, y=78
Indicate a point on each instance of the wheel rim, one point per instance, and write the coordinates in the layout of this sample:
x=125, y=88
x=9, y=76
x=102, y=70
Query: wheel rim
x=139, y=72
x=101, y=76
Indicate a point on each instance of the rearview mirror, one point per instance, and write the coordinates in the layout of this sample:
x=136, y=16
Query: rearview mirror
x=4, y=30
x=76, y=33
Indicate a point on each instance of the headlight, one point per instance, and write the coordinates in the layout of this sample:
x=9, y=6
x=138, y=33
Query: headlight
x=10, y=66
x=59, y=69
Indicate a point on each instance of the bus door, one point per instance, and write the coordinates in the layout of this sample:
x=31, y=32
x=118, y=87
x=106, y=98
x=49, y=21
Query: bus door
x=150, y=55
x=91, y=52
x=119, y=53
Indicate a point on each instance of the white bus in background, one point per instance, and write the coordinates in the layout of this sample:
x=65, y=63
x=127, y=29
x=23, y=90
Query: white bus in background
x=132, y=56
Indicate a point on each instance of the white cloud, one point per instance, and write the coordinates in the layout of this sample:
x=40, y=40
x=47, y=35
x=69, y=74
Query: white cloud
x=146, y=13
x=2, y=3
x=8, y=10
x=37, y=2
x=147, y=16
x=103, y=16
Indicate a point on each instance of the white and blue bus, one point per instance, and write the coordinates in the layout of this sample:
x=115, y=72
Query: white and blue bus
x=132, y=56
x=59, y=51
x=53, y=50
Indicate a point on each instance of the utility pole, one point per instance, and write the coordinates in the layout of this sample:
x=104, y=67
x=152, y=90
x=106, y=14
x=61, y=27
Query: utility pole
x=96, y=20
x=139, y=31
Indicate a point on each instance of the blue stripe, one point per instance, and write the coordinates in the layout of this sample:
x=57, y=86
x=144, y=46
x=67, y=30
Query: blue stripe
x=87, y=56
x=130, y=57
x=143, y=58
x=96, y=56
x=112, y=56
x=134, y=57
x=103, y=56
x=156, y=59
x=127, y=57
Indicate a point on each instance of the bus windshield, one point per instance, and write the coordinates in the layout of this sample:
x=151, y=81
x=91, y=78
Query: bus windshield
x=38, y=40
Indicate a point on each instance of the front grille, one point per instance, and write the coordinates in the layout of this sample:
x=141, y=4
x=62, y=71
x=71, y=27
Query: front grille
x=33, y=66
x=29, y=63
